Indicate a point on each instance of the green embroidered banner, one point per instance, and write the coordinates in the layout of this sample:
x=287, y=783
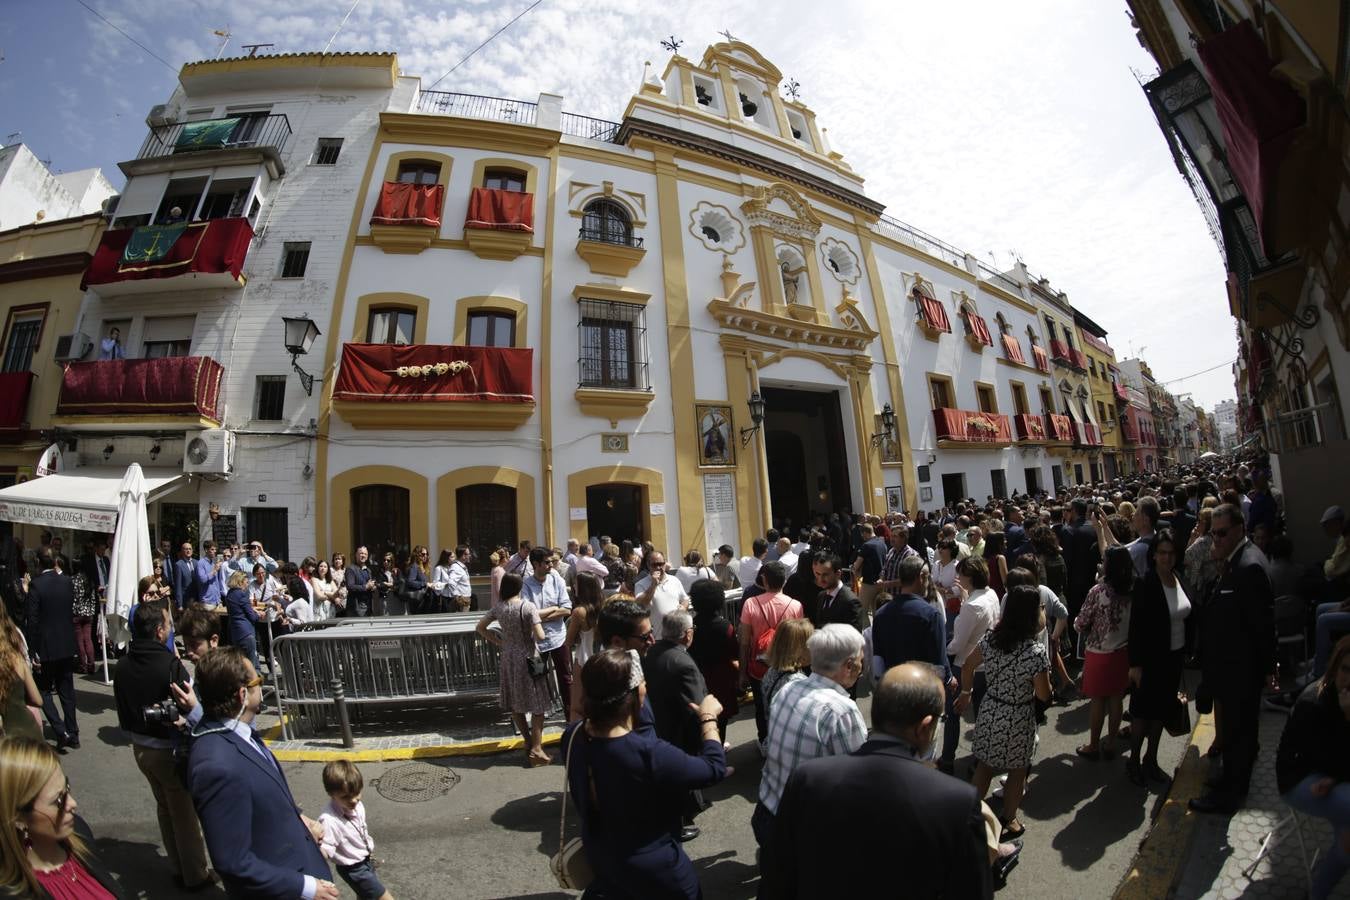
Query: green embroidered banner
x=151, y=243
x=209, y=135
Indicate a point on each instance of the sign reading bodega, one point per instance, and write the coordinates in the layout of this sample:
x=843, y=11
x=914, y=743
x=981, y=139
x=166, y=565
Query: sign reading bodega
x=72, y=517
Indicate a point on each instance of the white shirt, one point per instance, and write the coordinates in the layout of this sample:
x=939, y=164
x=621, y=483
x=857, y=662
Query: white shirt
x=688, y=575
x=668, y=597
x=301, y=610
x=455, y=577
x=748, y=570
x=789, y=561
x=1178, y=608
x=979, y=613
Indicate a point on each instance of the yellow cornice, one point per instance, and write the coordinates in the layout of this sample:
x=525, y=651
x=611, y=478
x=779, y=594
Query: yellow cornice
x=106, y=421
x=490, y=243
x=786, y=328
x=1005, y=295
x=764, y=353
x=609, y=292
x=614, y=404
x=293, y=61
x=614, y=157
x=474, y=415
x=402, y=238
x=610, y=259
x=454, y=131
x=366, y=240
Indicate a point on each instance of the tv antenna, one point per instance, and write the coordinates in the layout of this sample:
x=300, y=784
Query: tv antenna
x=224, y=35
x=254, y=48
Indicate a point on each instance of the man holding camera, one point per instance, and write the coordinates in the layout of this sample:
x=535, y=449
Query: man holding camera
x=143, y=688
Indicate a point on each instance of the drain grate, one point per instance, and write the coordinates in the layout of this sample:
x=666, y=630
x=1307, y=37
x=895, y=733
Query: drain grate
x=415, y=783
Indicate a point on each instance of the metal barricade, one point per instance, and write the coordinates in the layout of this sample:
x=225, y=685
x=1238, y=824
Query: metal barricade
x=390, y=663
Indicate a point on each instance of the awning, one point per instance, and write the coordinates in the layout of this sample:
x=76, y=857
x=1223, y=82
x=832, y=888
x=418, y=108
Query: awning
x=83, y=499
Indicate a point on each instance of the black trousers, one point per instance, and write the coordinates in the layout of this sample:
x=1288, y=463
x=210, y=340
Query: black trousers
x=761, y=711
x=57, y=676
x=1239, y=733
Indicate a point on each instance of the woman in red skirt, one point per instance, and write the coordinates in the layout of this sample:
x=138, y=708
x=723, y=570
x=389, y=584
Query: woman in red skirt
x=1104, y=623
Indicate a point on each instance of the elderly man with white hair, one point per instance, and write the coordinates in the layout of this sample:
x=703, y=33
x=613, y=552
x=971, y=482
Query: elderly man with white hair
x=786, y=555
x=675, y=688
x=811, y=717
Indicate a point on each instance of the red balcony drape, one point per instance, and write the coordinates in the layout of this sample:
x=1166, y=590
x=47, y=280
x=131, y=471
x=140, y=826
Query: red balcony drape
x=933, y=314
x=1038, y=354
x=1078, y=358
x=973, y=426
x=1059, y=350
x=409, y=204
x=979, y=328
x=434, y=372
x=500, y=209
x=173, y=386
x=214, y=246
x=1029, y=427
x=1013, y=348
x=1259, y=113
x=14, y=390
x=1061, y=427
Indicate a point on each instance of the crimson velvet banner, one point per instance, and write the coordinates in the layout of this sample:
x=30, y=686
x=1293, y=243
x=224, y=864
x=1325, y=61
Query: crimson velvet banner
x=1038, y=354
x=1013, y=348
x=14, y=389
x=501, y=210
x=980, y=329
x=173, y=386
x=435, y=372
x=409, y=204
x=1061, y=427
x=1029, y=427
x=934, y=314
x=214, y=246
x=969, y=425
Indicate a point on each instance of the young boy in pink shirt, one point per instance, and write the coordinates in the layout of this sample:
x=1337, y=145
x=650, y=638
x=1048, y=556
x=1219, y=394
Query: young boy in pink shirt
x=345, y=838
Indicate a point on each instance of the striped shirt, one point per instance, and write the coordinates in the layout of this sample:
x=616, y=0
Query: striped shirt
x=810, y=717
x=890, y=566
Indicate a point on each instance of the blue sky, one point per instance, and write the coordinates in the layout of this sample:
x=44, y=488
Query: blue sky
x=1002, y=128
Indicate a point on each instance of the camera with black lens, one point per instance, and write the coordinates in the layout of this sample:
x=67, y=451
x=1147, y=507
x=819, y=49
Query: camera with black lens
x=165, y=712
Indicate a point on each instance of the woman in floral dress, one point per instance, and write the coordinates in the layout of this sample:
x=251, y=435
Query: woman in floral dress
x=522, y=694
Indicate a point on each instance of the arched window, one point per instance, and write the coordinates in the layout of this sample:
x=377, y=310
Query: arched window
x=486, y=520
x=504, y=179
x=419, y=171
x=1033, y=336
x=1003, y=326
x=607, y=222
x=380, y=519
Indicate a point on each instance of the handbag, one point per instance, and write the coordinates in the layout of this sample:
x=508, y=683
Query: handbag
x=570, y=865
x=536, y=664
x=1178, y=719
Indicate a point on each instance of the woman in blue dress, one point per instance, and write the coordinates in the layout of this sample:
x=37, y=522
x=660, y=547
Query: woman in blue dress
x=628, y=785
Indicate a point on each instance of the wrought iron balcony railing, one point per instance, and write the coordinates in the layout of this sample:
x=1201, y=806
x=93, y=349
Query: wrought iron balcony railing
x=267, y=132
x=610, y=236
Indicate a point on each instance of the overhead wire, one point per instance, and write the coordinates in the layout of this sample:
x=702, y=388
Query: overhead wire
x=1201, y=372
x=114, y=26
x=486, y=42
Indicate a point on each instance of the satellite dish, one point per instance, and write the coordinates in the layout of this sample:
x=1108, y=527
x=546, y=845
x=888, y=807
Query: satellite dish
x=197, y=451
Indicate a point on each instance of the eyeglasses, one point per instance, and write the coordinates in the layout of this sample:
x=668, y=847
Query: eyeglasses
x=647, y=637
x=1220, y=532
x=255, y=681
x=59, y=802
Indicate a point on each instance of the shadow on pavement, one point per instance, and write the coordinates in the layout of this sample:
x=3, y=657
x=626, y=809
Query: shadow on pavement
x=723, y=875
x=1062, y=782
x=141, y=869
x=1116, y=811
x=1074, y=720
x=537, y=813
x=113, y=736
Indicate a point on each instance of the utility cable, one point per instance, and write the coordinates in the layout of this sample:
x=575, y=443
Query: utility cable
x=485, y=43
x=1201, y=372
x=114, y=26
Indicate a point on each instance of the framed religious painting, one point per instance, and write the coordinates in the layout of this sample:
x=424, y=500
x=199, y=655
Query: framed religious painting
x=715, y=444
x=895, y=500
x=889, y=446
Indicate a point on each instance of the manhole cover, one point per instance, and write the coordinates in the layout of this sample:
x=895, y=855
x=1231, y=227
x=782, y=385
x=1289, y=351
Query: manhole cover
x=415, y=783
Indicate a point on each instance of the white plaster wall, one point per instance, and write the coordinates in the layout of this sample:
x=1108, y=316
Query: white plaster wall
x=27, y=188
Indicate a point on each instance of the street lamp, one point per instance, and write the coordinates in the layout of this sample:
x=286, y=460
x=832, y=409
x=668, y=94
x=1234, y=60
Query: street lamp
x=756, y=403
x=300, y=335
x=887, y=426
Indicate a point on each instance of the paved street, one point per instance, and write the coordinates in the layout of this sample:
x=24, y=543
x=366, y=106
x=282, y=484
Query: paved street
x=489, y=836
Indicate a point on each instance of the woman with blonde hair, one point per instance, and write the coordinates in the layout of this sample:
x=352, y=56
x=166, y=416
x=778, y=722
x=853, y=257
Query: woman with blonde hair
x=41, y=853
x=19, y=695
x=496, y=560
x=787, y=657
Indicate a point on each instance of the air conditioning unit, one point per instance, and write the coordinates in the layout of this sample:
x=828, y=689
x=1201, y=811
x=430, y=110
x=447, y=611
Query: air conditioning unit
x=161, y=114
x=110, y=205
x=72, y=347
x=209, y=452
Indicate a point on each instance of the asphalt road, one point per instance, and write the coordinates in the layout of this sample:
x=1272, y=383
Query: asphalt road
x=490, y=835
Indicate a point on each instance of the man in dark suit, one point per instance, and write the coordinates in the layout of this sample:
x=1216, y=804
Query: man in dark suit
x=1081, y=555
x=1237, y=654
x=51, y=644
x=834, y=602
x=1183, y=520
x=95, y=566
x=184, y=577
x=673, y=683
x=882, y=788
x=259, y=842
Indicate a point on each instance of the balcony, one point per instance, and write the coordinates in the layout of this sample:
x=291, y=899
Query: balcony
x=1059, y=428
x=1129, y=432
x=175, y=391
x=500, y=223
x=1119, y=391
x=1067, y=356
x=1085, y=434
x=610, y=251
x=407, y=216
x=434, y=386
x=14, y=390
x=1030, y=429
x=957, y=428
x=515, y=112
x=1040, y=360
x=155, y=258
x=236, y=140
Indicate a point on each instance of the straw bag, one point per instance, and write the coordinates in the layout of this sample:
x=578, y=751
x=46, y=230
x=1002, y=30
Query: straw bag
x=570, y=866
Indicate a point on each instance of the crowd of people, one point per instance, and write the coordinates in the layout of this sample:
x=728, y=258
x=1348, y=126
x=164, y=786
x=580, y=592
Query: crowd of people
x=965, y=625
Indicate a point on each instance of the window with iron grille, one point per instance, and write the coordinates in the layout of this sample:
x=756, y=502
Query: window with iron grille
x=419, y=171
x=613, y=345
x=294, y=259
x=492, y=329
x=269, y=398
x=327, y=151
x=607, y=222
x=21, y=342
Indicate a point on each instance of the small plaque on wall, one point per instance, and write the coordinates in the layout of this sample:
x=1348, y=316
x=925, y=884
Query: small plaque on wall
x=225, y=530
x=577, y=513
x=613, y=443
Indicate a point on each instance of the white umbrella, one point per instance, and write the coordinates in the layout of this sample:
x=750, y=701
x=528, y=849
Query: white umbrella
x=1209, y=454
x=130, y=560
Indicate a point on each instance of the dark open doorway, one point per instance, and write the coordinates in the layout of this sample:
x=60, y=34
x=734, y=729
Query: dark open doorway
x=953, y=488
x=486, y=515
x=615, y=510
x=807, y=460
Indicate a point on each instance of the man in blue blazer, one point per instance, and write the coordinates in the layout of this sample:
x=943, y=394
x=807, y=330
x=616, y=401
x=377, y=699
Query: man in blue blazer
x=184, y=577
x=259, y=842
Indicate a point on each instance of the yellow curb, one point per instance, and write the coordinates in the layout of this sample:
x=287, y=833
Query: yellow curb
x=435, y=751
x=1162, y=853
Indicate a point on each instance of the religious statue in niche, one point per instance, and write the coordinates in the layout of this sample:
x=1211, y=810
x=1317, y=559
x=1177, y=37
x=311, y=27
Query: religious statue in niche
x=791, y=281
x=715, y=447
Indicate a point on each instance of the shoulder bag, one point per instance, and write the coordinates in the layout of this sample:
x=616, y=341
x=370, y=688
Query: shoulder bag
x=536, y=664
x=570, y=865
